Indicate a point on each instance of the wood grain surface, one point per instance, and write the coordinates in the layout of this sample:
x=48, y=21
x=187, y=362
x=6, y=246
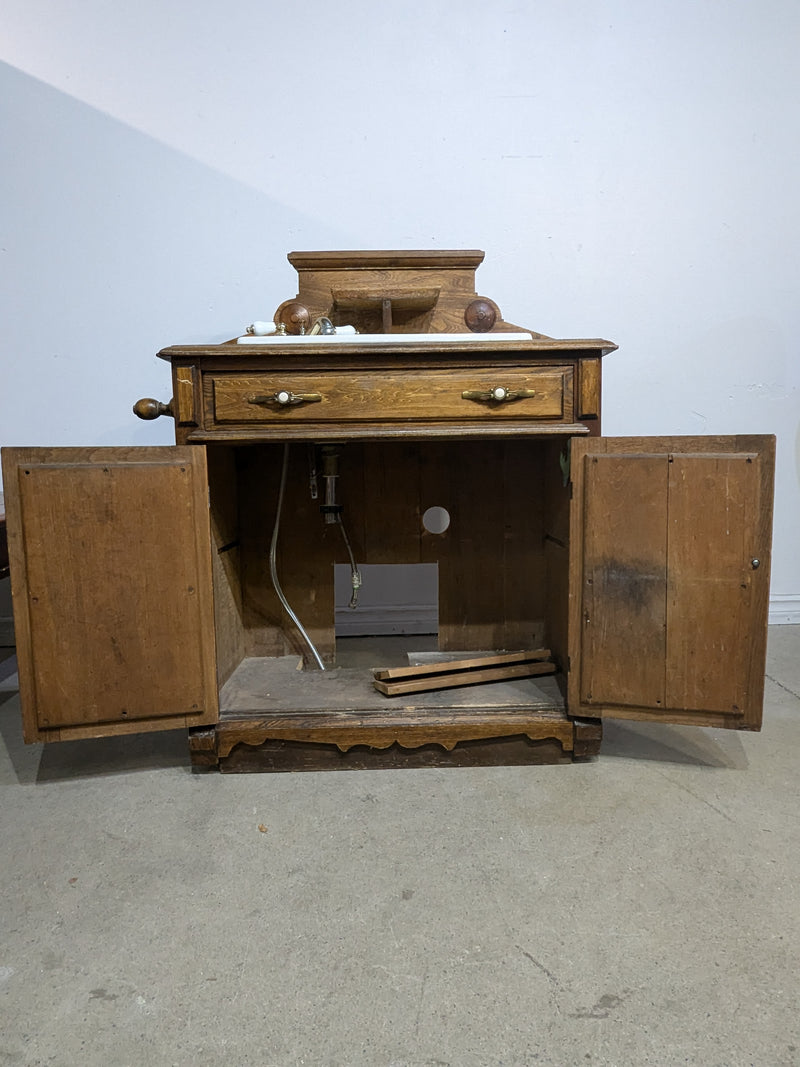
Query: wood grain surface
x=669, y=580
x=111, y=572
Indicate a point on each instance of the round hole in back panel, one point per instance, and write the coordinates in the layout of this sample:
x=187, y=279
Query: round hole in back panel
x=436, y=520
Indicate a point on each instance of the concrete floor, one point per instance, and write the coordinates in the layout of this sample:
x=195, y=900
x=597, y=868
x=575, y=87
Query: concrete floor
x=639, y=909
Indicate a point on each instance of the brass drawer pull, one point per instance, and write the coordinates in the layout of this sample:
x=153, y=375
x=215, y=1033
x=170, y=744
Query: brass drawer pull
x=284, y=398
x=497, y=395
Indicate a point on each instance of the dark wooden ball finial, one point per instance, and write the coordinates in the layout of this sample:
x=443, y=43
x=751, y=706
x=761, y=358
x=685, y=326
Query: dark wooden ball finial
x=480, y=316
x=294, y=316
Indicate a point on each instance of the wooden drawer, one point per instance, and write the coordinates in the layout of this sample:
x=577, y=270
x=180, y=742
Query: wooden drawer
x=410, y=396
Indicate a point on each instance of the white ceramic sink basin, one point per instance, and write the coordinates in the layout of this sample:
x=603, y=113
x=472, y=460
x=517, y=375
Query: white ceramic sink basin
x=380, y=338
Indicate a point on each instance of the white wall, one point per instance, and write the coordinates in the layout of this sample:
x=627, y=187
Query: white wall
x=630, y=169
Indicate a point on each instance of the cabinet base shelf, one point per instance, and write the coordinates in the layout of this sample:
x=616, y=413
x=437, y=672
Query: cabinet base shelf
x=277, y=717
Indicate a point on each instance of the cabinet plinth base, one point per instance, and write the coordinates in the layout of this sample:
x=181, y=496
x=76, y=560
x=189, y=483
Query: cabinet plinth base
x=297, y=743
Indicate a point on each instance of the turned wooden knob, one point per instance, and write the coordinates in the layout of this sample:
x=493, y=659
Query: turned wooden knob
x=147, y=408
x=294, y=316
x=480, y=316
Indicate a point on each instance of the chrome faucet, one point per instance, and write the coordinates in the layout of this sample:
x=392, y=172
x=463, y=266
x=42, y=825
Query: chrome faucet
x=323, y=325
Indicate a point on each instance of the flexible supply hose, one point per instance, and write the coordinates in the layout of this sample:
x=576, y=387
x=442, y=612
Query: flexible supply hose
x=355, y=574
x=273, y=569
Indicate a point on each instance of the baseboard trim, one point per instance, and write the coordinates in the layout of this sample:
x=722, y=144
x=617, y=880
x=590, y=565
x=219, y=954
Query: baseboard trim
x=387, y=619
x=784, y=609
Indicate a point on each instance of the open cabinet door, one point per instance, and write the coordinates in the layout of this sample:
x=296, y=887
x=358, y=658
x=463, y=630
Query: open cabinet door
x=111, y=581
x=669, y=578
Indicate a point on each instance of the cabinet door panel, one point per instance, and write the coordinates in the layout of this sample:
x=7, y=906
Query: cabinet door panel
x=625, y=565
x=709, y=598
x=110, y=560
x=668, y=610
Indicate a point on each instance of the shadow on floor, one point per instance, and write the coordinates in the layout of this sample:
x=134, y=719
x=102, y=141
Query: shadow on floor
x=103, y=757
x=8, y=668
x=80, y=759
x=673, y=744
x=114, y=755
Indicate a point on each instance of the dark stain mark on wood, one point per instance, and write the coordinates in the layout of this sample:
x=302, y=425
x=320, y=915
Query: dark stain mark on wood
x=634, y=584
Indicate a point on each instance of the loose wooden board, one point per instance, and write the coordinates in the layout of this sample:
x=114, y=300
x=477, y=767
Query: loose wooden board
x=465, y=664
x=474, y=671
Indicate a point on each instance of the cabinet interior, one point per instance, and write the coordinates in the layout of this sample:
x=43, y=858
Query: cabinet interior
x=502, y=563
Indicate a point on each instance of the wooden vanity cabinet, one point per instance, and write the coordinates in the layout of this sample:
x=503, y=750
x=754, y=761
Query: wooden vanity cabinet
x=142, y=592
x=642, y=563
